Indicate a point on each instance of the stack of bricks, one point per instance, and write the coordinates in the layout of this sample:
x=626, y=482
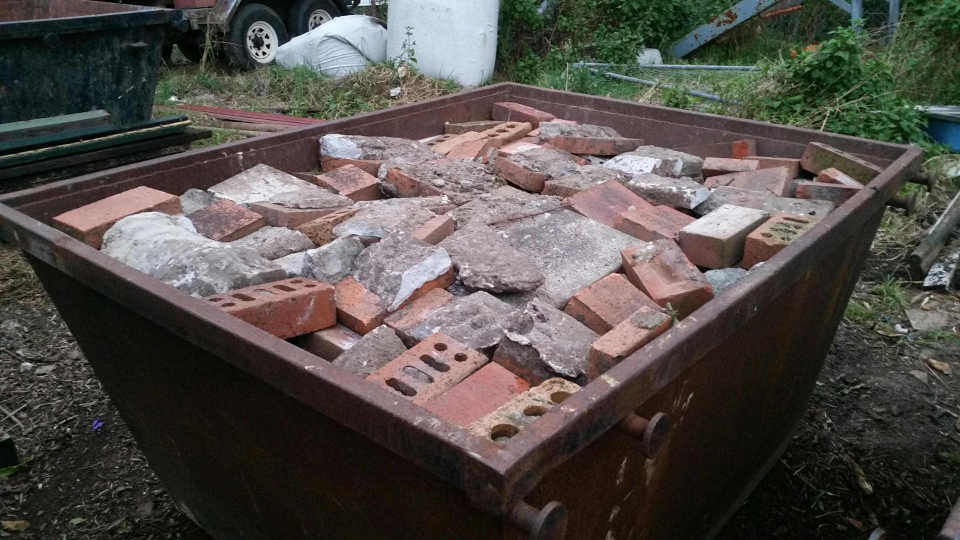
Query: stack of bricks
x=484, y=342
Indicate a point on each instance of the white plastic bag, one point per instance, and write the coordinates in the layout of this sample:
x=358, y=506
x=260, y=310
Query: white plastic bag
x=340, y=47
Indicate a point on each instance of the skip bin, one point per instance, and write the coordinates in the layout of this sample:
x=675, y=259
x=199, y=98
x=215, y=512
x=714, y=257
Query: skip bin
x=69, y=56
x=256, y=438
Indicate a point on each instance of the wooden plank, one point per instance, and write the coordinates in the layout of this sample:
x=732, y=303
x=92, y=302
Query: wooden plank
x=249, y=116
x=52, y=124
x=22, y=145
x=92, y=144
x=923, y=256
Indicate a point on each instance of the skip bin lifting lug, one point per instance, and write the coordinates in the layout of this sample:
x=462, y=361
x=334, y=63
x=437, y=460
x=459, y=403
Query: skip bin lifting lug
x=548, y=523
x=652, y=433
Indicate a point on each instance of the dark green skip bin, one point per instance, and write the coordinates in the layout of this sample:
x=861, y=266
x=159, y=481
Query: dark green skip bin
x=69, y=56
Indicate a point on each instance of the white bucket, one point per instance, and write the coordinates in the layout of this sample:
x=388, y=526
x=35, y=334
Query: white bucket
x=449, y=39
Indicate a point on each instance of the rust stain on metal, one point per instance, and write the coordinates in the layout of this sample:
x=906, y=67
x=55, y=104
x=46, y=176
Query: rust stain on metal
x=726, y=18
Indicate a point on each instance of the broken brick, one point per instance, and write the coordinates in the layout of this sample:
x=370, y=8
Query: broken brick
x=607, y=302
x=604, y=202
x=456, y=128
x=777, y=180
x=328, y=343
x=364, y=151
x=638, y=329
x=770, y=238
x=400, y=268
x=435, y=230
x=583, y=178
x=358, y=308
x=351, y=181
x=652, y=223
x=226, y=221
x=444, y=147
x=836, y=176
x=716, y=240
x=428, y=369
x=369, y=166
x=818, y=156
x=835, y=193
x=371, y=352
x=766, y=162
x=459, y=180
x=509, y=111
x=595, y=146
x=714, y=166
x=664, y=273
x=529, y=169
x=287, y=308
x=477, y=396
x=514, y=415
x=276, y=215
x=416, y=311
x=88, y=222
x=470, y=150
x=320, y=229
x=507, y=133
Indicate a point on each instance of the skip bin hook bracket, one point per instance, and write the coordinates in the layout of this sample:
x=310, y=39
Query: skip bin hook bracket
x=547, y=523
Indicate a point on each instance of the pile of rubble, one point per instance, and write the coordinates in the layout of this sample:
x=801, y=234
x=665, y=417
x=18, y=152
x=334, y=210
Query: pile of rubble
x=484, y=274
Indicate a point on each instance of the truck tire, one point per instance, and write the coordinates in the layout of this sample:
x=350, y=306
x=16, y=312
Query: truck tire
x=305, y=15
x=255, y=34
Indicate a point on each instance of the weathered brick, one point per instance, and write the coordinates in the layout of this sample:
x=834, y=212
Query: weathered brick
x=282, y=216
x=768, y=239
x=226, y=221
x=604, y=202
x=88, y=222
x=665, y=274
x=514, y=415
x=456, y=128
x=818, y=156
x=714, y=166
x=529, y=169
x=763, y=200
x=836, y=176
x=428, y=369
x=320, y=230
x=583, y=178
x=435, y=230
x=364, y=151
x=358, y=308
x=767, y=162
x=351, y=181
x=507, y=133
x=369, y=166
x=477, y=396
x=328, y=343
x=444, y=147
x=416, y=311
x=470, y=150
x=371, y=352
x=595, y=146
x=678, y=192
x=835, y=193
x=653, y=223
x=742, y=148
x=716, y=240
x=776, y=180
x=459, y=180
x=520, y=176
x=286, y=308
x=607, y=302
x=638, y=329
x=509, y=111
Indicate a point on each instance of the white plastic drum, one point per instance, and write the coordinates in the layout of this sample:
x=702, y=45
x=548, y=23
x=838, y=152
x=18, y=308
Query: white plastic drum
x=449, y=39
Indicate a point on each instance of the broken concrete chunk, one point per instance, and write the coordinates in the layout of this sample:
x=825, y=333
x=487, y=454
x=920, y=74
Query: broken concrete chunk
x=275, y=242
x=541, y=342
x=673, y=192
x=337, y=146
x=261, y=183
x=380, y=218
x=724, y=278
x=572, y=251
x=371, y=352
x=510, y=418
x=330, y=262
x=476, y=320
x=485, y=261
x=400, y=267
x=461, y=180
x=226, y=221
x=145, y=240
x=566, y=129
x=194, y=199
x=216, y=269
x=89, y=222
x=818, y=156
x=766, y=201
x=674, y=163
x=311, y=198
x=502, y=204
x=583, y=178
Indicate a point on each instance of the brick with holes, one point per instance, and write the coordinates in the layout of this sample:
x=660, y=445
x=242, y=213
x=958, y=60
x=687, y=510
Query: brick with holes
x=456, y=128
x=357, y=308
x=506, y=133
x=88, y=223
x=509, y=111
x=514, y=415
x=287, y=308
x=478, y=395
x=770, y=238
x=429, y=369
x=664, y=273
x=446, y=146
x=351, y=181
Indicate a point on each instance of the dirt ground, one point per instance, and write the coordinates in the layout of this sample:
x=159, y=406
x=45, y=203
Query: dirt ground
x=879, y=446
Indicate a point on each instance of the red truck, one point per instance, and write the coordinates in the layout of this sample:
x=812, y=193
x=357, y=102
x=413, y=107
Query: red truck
x=247, y=32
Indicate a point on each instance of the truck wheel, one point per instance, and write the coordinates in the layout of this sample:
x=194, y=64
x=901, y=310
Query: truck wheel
x=255, y=34
x=305, y=15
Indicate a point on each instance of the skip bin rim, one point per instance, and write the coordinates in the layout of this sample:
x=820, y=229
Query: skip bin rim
x=122, y=16
x=492, y=477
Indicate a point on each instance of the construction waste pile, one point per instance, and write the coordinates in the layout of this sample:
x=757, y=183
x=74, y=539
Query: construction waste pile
x=486, y=273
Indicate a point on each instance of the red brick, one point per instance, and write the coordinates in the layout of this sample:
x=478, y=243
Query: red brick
x=328, y=343
x=604, y=202
x=768, y=239
x=552, y=187
x=320, y=230
x=606, y=302
x=435, y=229
x=507, y=133
x=477, y=396
x=667, y=277
x=408, y=186
x=777, y=180
x=456, y=128
x=90, y=221
x=444, y=147
x=516, y=112
x=414, y=312
x=835, y=193
x=656, y=223
x=470, y=150
x=596, y=146
x=429, y=369
x=226, y=221
x=638, y=329
x=282, y=216
x=836, y=176
x=818, y=156
x=520, y=176
x=286, y=308
x=742, y=148
x=716, y=240
x=351, y=181
x=766, y=162
x=714, y=166
x=357, y=307
x=370, y=166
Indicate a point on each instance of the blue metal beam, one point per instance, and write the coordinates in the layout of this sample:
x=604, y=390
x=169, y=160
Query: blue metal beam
x=730, y=18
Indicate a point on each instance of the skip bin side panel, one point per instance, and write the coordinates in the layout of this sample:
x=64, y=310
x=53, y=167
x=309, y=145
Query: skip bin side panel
x=242, y=459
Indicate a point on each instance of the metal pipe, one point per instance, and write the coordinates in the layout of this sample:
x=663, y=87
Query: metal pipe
x=695, y=93
x=671, y=66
